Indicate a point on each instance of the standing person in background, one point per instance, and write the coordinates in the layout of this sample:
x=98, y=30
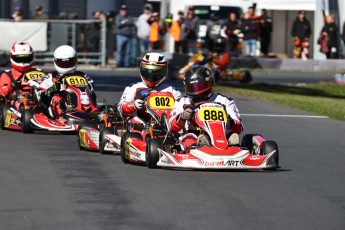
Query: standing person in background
x=213, y=29
x=157, y=31
x=39, y=14
x=143, y=28
x=330, y=31
x=301, y=32
x=232, y=29
x=17, y=14
x=265, y=32
x=192, y=30
x=124, y=25
x=178, y=31
x=249, y=28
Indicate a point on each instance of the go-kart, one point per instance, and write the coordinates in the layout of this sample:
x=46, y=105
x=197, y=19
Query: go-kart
x=254, y=153
x=144, y=128
x=243, y=76
x=18, y=117
x=81, y=106
x=91, y=135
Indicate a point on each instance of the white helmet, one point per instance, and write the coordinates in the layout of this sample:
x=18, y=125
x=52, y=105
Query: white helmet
x=22, y=56
x=153, y=69
x=65, y=59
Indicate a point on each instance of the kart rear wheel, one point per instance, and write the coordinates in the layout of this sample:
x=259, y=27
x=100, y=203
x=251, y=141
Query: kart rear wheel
x=3, y=114
x=80, y=127
x=105, y=131
x=27, y=114
x=152, y=153
x=247, y=77
x=124, y=148
x=269, y=146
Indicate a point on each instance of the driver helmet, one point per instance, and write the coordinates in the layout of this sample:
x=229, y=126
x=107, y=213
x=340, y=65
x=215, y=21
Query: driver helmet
x=153, y=69
x=199, y=83
x=22, y=56
x=219, y=44
x=65, y=59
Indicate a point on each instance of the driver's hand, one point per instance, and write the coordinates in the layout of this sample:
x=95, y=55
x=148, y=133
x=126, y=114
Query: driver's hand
x=187, y=114
x=139, y=104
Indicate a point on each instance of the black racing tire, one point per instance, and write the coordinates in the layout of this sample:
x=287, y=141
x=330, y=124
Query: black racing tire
x=269, y=146
x=80, y=127
x=105, y=131
x=247, y=141
x=3, y=114
x=27, y=115
x=247, y=77
x=124, y=137
x=152, y=153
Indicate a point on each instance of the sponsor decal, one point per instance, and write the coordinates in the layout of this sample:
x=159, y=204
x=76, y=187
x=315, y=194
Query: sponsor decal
x=82, y=137
x=62, y=120
x=215, y=163
x=231, y=163
x=8, y=119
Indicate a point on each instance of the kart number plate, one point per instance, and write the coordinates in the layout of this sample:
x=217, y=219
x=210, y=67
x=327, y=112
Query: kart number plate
x=161, y=102
x=8, y=119
x=212, y=114
x=82, y=138
x=76, y=80
x=34, y=75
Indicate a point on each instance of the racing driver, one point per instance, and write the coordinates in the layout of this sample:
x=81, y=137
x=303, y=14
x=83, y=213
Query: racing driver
x=22, y=59
x=153, y=72
x=199, y=84
x=65, y=62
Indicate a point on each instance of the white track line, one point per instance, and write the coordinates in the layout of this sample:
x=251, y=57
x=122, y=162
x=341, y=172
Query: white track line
x=282, y=115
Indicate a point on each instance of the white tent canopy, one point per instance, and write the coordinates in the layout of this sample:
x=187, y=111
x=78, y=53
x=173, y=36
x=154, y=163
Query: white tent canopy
x=308, y=5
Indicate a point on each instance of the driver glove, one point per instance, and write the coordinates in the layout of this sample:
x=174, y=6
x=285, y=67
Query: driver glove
x=139, y=104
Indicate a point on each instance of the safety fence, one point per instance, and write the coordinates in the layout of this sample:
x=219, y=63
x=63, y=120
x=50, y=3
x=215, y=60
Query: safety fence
x=88, y=37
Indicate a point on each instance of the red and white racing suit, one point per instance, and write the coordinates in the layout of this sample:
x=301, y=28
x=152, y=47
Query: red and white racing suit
x=132, y=92
x=177, y=124
x=58, y=104
x=7, y=80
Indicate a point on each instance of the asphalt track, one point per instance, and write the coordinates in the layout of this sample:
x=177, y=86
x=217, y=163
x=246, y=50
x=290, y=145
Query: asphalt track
x=47, y=183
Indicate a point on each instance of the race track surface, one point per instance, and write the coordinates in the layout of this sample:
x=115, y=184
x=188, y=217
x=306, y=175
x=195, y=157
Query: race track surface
x=46, y=182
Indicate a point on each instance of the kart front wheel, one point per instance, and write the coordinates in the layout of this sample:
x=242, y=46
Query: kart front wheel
x=27, y=114
x=102, y=142
x=152, y=153
x=125, y=145
x=3, y=115
x=269, y=146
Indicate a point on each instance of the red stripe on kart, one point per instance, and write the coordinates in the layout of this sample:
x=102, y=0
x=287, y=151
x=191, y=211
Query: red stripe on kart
x=253, y=160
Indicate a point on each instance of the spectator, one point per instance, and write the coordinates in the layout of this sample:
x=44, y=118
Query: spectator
x=93, y=32
x=192, y=30
x=301, y=32
x=143, y=28
x=213, y=30
x=232, y=29
x=178, y=31
x=265, y=32
x=17, y=15
x=110, y=16
x=39, y=14
x=124, y=25
x=249, y=28
x=157, y=31
x=330, y=33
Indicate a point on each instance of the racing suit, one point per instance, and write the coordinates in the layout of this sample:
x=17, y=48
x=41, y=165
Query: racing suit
x=136, y=91
x=51, y=86
x=11, y=83
x=177, y=123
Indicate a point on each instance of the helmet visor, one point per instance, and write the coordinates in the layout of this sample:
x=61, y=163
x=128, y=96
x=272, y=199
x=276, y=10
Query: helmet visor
x=198, y=87
x=66, y=62
x=153, y=73
x=22, y=58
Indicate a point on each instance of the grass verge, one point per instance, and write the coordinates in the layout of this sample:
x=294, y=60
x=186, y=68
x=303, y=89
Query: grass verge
x=327, y=99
